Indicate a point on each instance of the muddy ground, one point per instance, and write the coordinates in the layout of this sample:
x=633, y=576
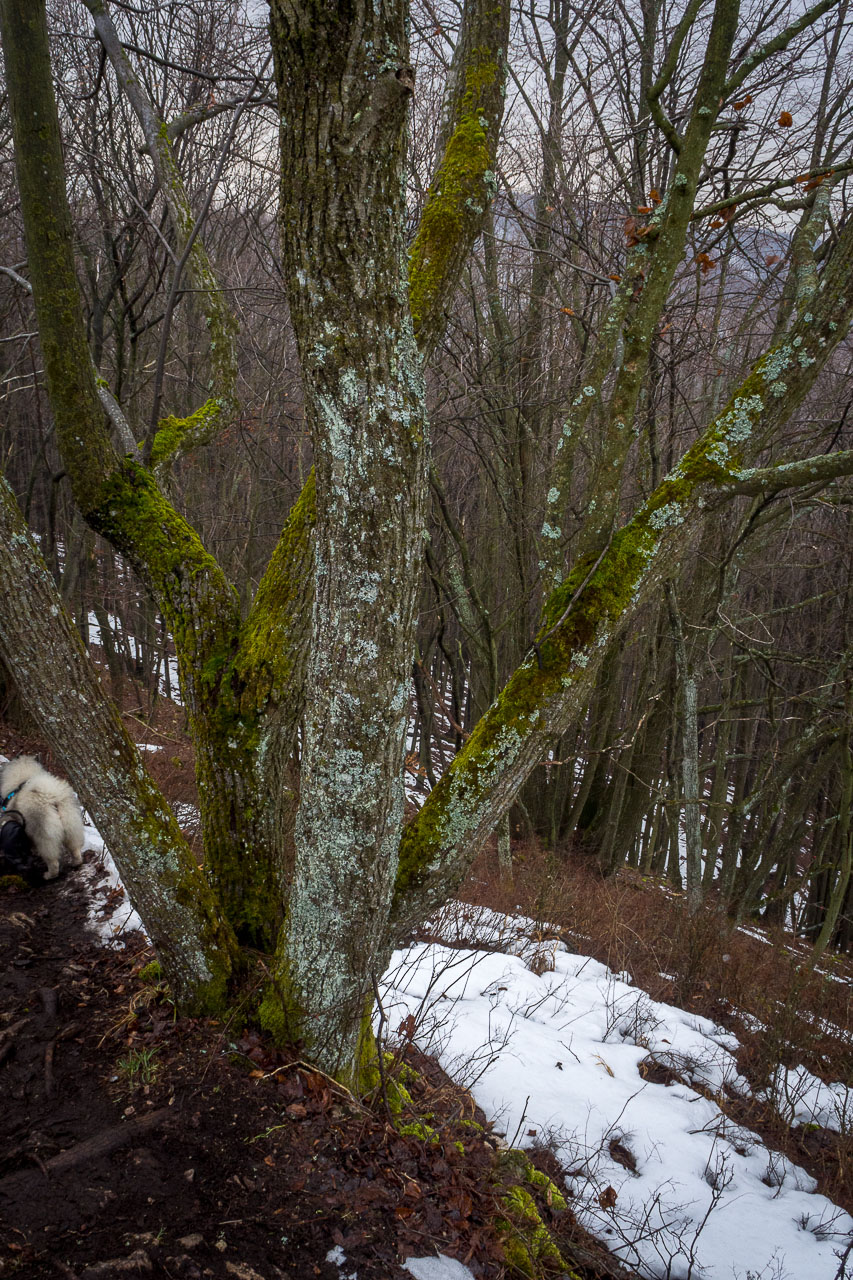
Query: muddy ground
x=134, y=1143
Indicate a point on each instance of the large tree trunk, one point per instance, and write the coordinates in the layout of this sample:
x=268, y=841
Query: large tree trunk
x=344, y=81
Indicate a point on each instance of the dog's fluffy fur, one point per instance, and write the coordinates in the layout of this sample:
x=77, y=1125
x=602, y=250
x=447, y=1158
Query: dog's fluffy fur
x=50, y=811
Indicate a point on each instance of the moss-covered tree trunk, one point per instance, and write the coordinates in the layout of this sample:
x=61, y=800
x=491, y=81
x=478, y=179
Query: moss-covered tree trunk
x=39, y=641
x=344, y=82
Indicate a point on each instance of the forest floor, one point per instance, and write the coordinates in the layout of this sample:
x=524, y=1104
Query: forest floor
x=134, y=1143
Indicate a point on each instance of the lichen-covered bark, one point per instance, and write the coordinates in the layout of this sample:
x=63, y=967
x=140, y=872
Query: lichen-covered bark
x=180, y=914
x=552, y=686
x=343, y=87
x=344, y=80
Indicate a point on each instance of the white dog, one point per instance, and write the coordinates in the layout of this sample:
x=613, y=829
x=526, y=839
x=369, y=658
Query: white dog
x=49, y=808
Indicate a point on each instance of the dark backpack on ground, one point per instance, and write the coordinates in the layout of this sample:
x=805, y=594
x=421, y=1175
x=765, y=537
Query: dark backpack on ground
x=17, y=855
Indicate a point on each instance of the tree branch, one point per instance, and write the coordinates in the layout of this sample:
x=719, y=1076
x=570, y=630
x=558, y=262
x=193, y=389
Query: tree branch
x=763, y=481
x=176, y=435
x=464, y=183
x=37, y=639
x=777, y=45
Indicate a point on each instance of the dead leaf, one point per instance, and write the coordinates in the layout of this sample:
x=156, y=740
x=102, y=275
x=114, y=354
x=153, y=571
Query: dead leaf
x=785, y=120
x=407, y=1028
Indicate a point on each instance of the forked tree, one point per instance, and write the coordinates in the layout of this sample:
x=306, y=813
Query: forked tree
x=313, y=866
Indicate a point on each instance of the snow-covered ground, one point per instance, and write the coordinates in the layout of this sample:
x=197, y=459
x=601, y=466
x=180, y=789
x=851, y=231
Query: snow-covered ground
x=558, y=1049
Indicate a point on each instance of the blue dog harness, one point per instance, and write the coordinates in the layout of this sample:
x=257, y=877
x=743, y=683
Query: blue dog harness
x=5, y=805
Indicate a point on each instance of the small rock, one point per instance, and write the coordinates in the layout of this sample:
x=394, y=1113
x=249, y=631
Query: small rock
x=191, y=1242
x=138, y=1263
x=241, y=1271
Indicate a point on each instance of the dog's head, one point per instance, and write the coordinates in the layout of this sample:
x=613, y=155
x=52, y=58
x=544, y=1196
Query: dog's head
x=17, y=855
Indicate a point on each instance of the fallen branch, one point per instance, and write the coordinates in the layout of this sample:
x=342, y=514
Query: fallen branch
x=102, y=1144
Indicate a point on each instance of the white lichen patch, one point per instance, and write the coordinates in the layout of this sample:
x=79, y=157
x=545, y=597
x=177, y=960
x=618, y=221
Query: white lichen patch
x=667, y=516
x=736, y=426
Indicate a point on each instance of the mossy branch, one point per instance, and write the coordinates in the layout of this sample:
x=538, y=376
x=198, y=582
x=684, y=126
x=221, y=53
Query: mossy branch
x=464, y=183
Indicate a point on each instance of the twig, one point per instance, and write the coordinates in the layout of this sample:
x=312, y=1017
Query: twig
x=48, y=1068
x=102, y=1144
x=520, y=1123
x=383, y=1083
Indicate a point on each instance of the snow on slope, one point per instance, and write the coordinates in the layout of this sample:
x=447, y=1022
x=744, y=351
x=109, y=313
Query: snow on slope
x=575, y=1056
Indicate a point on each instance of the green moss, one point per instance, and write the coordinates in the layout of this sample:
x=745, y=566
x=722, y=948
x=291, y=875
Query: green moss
x=151, y=972
x=173, y=434
x=527, y=1243
x=418, y=1129
x=399, y=1098
x=271, y=643
x=516, y=1165
x=283, y=1015
x=397, y=1076
x=464, y=186
x=13, y=884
